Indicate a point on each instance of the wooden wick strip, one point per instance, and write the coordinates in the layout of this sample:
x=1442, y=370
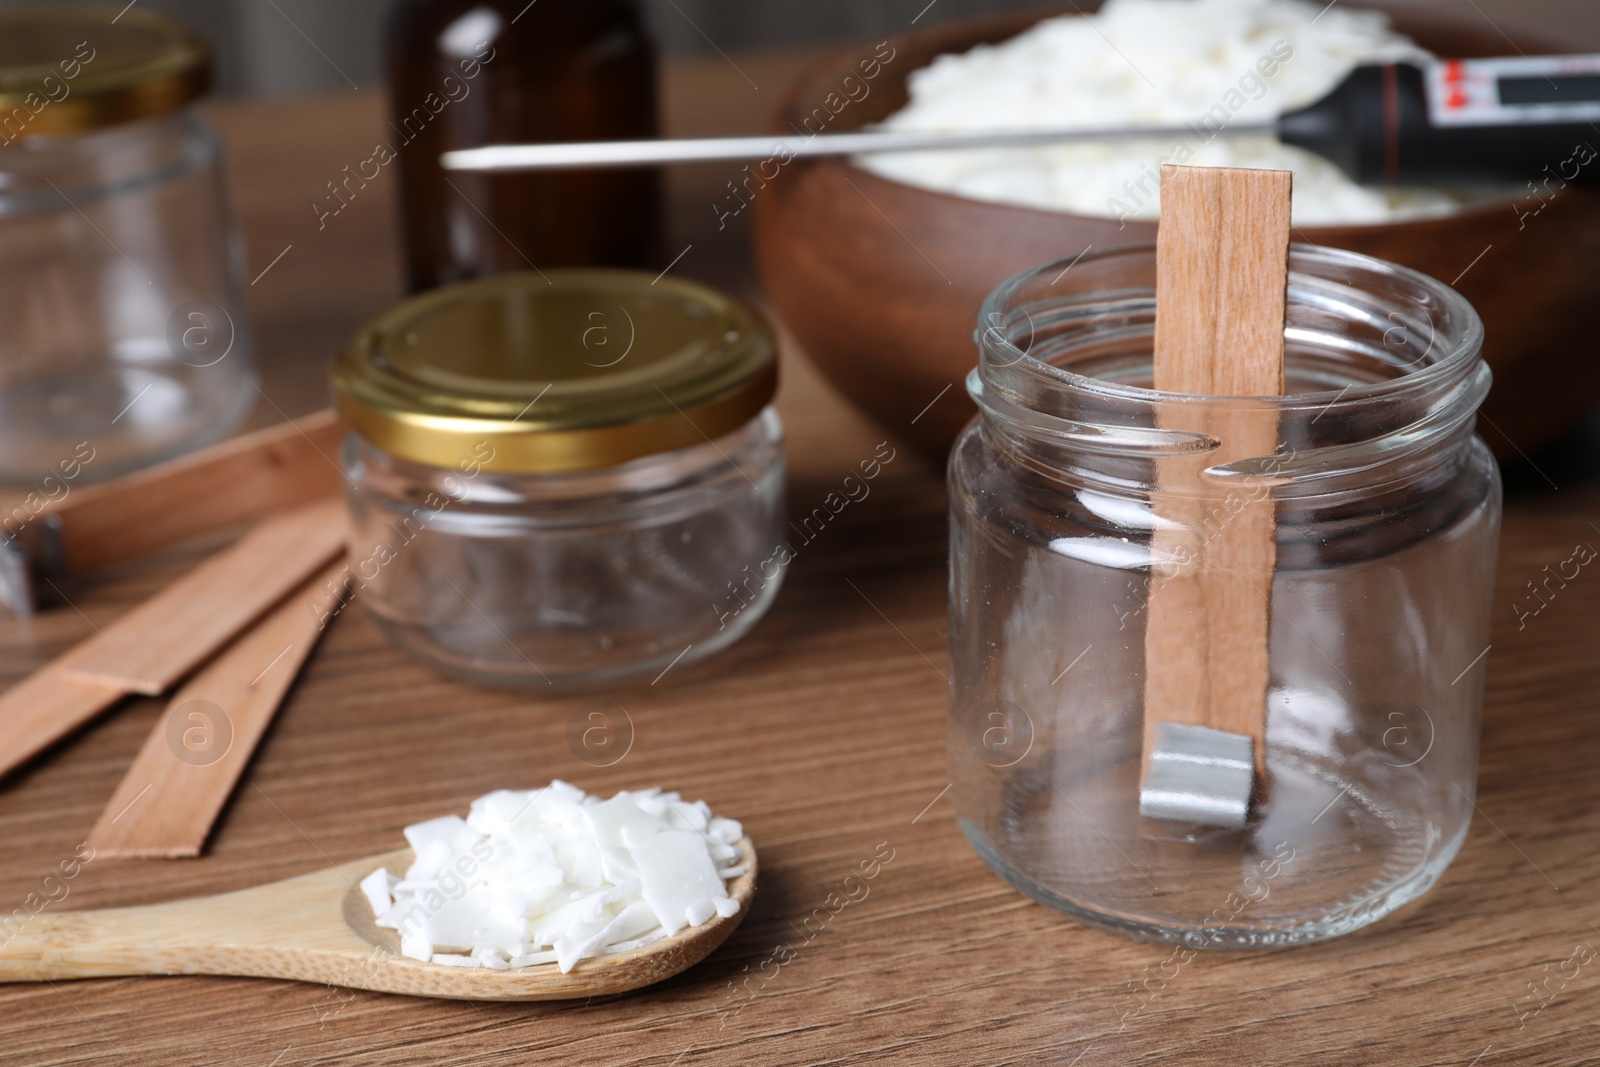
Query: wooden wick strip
x=243, y=480
x=190, y=763
x=1221, y=291
x=150, y=648
x=154, y=645
x=43, y=708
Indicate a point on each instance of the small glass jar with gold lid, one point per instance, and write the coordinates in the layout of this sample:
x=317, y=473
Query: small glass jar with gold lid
x=122, y=331
x=563, y=480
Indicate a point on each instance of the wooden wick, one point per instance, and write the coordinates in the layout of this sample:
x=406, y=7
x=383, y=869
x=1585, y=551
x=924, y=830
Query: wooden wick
x=190, y=763
x=243, y=480
x=150, y=648
x=1221, y=290
x=153, y=646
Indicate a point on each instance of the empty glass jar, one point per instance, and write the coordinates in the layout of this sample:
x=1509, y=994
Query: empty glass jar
x=122, y=332
x=1386, y=511
x=564, y=480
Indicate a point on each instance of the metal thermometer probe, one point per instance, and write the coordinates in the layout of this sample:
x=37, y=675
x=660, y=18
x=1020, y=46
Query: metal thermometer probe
x=1456, y=121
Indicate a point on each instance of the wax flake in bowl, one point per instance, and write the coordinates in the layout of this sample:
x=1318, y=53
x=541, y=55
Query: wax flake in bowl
x=1154, y=63
x=555, y=875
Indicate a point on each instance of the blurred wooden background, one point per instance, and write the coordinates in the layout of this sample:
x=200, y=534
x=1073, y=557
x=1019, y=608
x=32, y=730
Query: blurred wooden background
x=288, y=46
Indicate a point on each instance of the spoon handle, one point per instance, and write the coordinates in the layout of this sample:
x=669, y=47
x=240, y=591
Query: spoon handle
x=291, y=929
x=102, y=944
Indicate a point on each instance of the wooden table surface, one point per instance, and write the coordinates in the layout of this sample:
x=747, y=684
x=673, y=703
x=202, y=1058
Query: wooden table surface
x=824, y=732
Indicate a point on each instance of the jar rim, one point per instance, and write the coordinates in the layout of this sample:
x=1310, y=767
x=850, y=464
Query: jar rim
x=1451, y=365
x=1388, y=421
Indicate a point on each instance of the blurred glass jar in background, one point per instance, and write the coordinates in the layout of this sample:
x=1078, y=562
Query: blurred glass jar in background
x=122, y=329
x=465, y=73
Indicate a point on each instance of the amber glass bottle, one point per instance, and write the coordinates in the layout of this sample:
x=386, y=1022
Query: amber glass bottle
x=464, y=73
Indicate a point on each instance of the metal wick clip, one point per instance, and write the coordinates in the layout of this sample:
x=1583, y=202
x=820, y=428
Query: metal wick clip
x=1197, y=774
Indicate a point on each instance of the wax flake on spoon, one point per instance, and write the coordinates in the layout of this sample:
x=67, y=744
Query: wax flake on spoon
x=680, y=882
x=557, y=876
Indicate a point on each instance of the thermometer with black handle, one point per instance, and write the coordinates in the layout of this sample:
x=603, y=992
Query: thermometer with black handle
x=1442, y=122
x=1458, y=121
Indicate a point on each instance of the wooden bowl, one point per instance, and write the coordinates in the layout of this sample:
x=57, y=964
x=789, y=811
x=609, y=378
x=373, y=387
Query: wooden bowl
x=881, y=282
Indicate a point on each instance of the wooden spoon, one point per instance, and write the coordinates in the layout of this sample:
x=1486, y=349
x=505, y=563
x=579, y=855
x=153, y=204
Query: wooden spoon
x=319, y=928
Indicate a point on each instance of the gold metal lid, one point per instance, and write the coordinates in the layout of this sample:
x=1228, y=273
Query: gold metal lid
x=75, y=69
x=561, y=371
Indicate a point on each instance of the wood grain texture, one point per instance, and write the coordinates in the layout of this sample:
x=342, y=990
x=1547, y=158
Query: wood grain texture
x=318, y=928
x=237, y=482
x=190, y=763
x=1222, y=273
x=823, y=731
x=1221, y=284
x=43, y=708
x=149, y=648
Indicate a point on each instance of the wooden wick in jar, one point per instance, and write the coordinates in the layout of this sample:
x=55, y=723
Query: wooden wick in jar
x=1221, y=289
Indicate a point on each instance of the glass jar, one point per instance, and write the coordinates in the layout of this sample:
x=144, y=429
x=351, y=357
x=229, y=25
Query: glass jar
x=564, y=480
x=1387, y=515
x=467, y=73
x=122, y=327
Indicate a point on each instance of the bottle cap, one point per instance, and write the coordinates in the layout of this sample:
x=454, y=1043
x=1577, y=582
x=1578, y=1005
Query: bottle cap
x=562, y=370
x=76, y=69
